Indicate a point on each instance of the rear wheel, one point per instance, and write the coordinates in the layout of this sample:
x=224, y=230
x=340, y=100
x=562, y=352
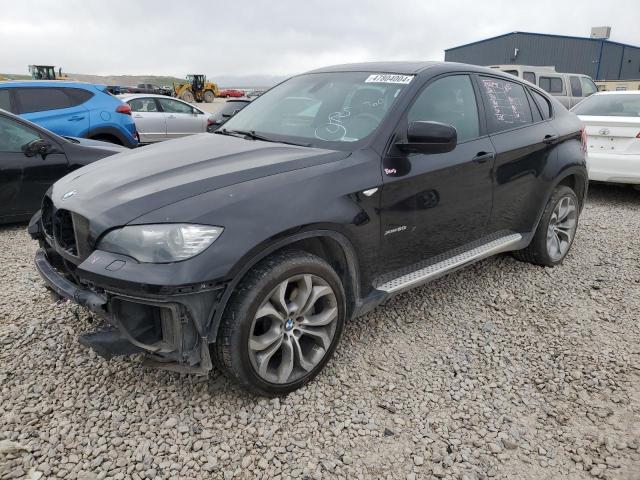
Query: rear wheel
x=187, y=97
x=282, y=324
x=209, y=96
x=555, y=233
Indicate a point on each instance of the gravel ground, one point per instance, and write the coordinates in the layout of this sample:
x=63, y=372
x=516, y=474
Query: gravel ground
x=502, y=370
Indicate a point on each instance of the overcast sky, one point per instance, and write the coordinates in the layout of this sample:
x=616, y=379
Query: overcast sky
x=277, y=37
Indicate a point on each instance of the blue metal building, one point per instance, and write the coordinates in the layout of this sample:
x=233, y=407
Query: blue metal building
x=601, y=59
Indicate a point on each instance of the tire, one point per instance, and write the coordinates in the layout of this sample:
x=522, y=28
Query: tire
x=187, y=97
x=209, y=96
x=556, y=231
x=272, y=354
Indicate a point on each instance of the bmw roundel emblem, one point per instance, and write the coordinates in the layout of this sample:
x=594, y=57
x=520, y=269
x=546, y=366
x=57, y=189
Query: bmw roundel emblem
x=69, y=194
x=604, y=131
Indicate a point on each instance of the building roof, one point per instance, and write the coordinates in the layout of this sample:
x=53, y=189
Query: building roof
x=543, y=35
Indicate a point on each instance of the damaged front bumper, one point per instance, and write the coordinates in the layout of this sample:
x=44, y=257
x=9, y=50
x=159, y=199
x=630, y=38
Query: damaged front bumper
x=171, y=326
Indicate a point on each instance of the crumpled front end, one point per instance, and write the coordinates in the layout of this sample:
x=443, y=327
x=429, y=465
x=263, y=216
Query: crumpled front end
x=146, y=312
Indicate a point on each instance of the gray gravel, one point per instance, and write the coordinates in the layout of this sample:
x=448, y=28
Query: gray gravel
x=503, y=370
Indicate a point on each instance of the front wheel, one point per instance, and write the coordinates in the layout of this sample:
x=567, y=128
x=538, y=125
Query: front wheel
x=209, y=96
x=187, y=97
x=282, y=324
x=555, y=233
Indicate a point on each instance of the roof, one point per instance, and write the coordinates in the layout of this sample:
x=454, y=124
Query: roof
x=45, y=83
x=542, y=35
x=405, y=68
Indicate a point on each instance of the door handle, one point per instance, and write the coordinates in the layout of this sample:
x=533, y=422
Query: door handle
x=76, y=118
x=172, y=116
x=137, y=116
x=550, y=139
x=482, y=157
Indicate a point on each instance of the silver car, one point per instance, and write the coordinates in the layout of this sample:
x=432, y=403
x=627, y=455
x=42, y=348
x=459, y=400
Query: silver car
x=158, y=117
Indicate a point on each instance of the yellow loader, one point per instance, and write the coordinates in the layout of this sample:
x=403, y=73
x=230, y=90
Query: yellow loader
x=196, y=88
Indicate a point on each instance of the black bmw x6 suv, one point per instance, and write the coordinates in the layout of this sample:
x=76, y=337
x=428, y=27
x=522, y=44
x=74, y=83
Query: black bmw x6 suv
x=250, y=248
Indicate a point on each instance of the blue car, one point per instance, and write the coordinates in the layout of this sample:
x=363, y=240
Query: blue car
x=71, y=109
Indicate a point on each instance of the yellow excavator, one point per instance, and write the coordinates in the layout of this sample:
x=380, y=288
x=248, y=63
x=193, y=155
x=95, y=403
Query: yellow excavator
x=196, y=88
x=46, y=72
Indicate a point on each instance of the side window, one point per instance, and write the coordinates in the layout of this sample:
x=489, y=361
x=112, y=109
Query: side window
x=588, y=87
x=576, y=87
x=553, y=85
x=529, y=77
x=5, y=100
x=449, y=100
x=543, y=104
x=511, y=72
x=77, y=96
x=507, y=104
x=143, y=105
x=173, y=106
x=14, y=135
x=41, y=99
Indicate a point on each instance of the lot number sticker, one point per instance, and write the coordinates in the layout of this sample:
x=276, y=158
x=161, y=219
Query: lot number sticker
x=389, y=78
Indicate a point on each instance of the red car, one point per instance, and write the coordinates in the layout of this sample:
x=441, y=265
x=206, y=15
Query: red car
x=230, y=92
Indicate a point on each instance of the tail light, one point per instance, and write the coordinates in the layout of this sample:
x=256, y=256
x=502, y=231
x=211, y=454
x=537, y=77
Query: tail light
x=210, y=122
x=638, y=135
x=124, y=108
x=583, y=138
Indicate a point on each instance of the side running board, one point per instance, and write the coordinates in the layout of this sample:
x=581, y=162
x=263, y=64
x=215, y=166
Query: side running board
x=445, y=263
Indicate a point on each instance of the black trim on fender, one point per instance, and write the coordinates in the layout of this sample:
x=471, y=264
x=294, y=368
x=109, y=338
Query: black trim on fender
x=343, y=241
x=127, y=142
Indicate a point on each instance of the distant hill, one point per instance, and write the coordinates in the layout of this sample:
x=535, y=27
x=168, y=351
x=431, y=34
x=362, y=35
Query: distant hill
x=224, y=81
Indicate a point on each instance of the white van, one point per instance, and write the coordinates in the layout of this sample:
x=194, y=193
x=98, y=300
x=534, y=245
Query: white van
x=568, y=88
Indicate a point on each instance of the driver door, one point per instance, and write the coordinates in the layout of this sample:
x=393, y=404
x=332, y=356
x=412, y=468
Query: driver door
x=433, y=203
x=24, y=180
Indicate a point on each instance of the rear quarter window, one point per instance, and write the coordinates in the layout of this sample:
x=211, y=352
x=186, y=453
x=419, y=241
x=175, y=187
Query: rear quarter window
x=543, y=104
x=78, y=96
x=39, y=99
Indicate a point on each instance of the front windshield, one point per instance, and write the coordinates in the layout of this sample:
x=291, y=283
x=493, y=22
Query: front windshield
x=609, y=105
x=322, y=109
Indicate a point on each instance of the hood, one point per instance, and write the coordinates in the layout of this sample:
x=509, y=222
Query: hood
x=116, y=190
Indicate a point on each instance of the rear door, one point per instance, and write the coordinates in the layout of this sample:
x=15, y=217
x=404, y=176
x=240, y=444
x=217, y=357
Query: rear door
x=522, y=134
x=24, y=180
x=182, y=119
x=149, y=119
x=54, y=109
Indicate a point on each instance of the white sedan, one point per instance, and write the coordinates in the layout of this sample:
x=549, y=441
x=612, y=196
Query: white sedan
x=158, y=117
x=612, y=124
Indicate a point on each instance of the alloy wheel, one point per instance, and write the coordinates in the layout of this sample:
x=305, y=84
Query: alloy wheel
x=293, y=329
x=562, y=228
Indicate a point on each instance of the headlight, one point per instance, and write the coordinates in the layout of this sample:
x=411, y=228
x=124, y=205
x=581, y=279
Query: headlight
x=160, y=243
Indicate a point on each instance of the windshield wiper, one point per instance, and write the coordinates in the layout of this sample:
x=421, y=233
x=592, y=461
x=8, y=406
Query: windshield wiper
x=256, y=136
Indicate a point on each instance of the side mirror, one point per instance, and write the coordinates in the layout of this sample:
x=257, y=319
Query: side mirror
x=37, y=147
x=429, y=137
